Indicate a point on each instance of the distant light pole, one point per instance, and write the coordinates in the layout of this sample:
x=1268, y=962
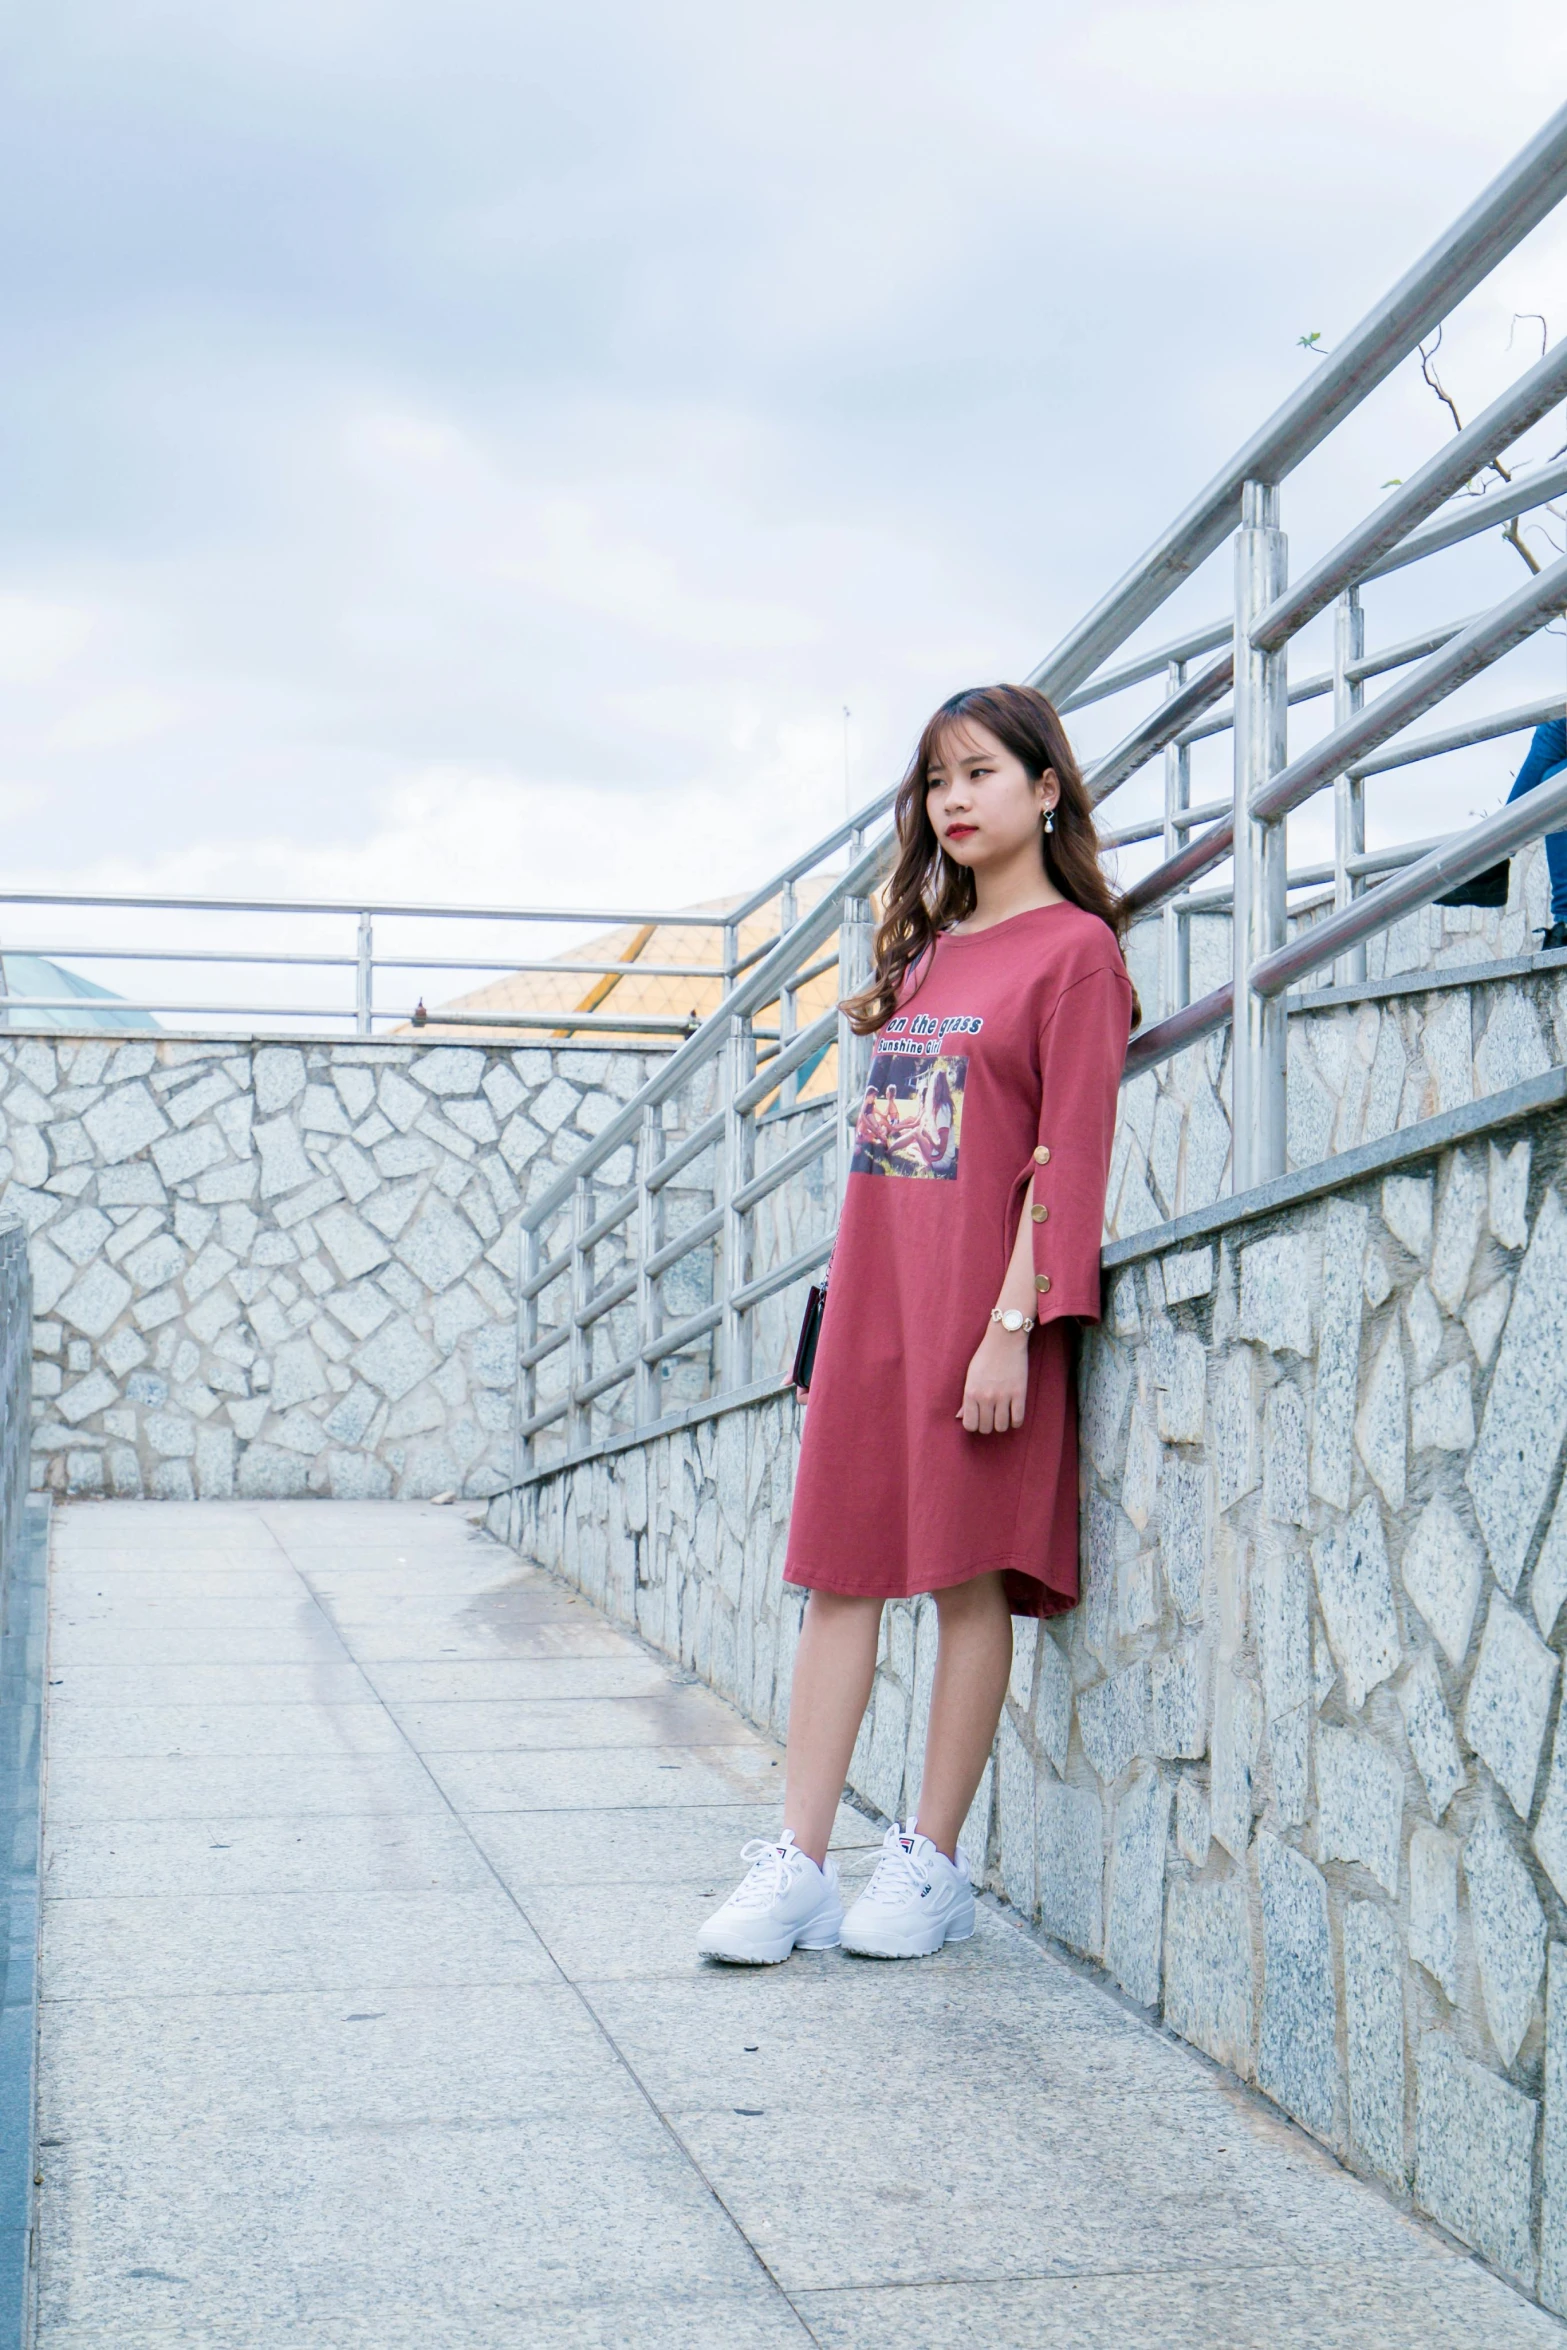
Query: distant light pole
x=848, y=803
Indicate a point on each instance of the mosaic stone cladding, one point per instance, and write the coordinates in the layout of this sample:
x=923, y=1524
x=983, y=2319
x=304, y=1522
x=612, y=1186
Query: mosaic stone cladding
x=283, y=1269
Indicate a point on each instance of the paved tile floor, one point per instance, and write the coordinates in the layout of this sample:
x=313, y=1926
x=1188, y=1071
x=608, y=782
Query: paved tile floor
x=374, y=1863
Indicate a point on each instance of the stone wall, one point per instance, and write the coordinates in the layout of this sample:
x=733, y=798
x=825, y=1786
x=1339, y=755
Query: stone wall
x=1292, y=1771
x=283, y=1268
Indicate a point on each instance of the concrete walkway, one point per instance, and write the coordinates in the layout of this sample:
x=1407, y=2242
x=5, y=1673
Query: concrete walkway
x=374, y=1863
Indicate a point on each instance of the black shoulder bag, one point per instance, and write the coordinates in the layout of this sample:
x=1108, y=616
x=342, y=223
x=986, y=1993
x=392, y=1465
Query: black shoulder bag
x=810, y=1331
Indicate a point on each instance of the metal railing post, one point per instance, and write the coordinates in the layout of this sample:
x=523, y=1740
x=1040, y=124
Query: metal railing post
x=364, y=977
x=1175, y=936
x=579, y=1352
x=650, y=1236
x=1349, y=793
x=739, y=1165
x=1257, y=1100
x=731, y=938
x=854, y=969
x=788, y=1007
x=527, y=1339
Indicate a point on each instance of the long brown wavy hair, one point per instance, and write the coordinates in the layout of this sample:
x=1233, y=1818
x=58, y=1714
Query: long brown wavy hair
x=928, y=891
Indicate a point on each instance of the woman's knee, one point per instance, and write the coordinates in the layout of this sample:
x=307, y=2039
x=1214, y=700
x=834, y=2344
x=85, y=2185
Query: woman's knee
x=982, y=1595
x=844, y=1608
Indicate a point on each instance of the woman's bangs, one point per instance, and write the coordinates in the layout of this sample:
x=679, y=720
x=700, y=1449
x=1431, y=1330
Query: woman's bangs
x=949, y=736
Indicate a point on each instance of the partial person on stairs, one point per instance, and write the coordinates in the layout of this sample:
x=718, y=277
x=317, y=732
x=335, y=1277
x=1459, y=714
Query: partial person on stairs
x=940, y=1445
x=1547, y=757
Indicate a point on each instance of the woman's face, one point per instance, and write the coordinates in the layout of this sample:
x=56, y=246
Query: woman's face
x=984, y=806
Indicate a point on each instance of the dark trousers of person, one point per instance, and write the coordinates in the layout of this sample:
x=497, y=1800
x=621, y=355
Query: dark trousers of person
x=1548, y=757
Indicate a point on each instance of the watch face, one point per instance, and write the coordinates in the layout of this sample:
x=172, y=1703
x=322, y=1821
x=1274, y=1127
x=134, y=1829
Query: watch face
x=1012, y=1319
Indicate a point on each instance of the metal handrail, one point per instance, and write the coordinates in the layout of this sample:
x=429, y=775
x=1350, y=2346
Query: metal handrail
x=1454, y=861
x=401, y=907
x=1490, y=510
x=1516, y=201
x=606, y=1023
x=1347, y=749
x=1521, y=720
x=726, y=1036
x=845, y=835
x=1416, y=500
x=1506, y=625
x=586, y=965
x=1153, y=663
x=758, y=988
x=1161, y=727
x=1498, y=505
x=1246, y=651
x=1430, y=869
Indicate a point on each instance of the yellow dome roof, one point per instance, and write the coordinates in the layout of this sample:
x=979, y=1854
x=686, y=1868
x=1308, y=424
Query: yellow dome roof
x=642, y=988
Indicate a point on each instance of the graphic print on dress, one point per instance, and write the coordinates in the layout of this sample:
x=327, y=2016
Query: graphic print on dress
x=912, y=1118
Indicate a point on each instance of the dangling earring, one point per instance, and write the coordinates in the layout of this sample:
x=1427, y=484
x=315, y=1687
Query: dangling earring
x=1050, y=819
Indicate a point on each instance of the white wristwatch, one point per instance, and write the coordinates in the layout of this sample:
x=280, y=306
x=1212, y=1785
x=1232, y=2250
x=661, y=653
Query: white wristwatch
x=1011, y=1318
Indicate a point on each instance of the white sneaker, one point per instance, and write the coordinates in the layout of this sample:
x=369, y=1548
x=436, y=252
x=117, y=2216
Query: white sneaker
x=916, y=1901
x=785, y=1900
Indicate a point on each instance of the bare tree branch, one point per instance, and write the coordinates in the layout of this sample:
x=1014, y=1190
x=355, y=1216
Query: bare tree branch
x=1511, y=532
x=1539, y=320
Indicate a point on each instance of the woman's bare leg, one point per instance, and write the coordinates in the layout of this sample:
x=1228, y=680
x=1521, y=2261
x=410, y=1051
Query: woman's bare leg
x=973, y=1660
x=834, y=1667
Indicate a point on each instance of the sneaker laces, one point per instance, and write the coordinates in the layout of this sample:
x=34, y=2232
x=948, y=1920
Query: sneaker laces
x=900, y=1873
x=772, y=1865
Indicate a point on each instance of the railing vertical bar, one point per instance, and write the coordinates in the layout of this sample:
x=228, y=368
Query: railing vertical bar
x=739, y=1164
x=650, y=1238
x=731, y=936
x=580, y=1351
x=1257, y=1100
x=364, y=978
x=527, y=1339
x=854, y=966
x=788, y=1006
x=1175, y=935
x=1349, y=792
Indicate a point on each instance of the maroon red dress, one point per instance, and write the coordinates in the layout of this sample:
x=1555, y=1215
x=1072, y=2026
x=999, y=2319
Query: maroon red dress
x=991, y=1089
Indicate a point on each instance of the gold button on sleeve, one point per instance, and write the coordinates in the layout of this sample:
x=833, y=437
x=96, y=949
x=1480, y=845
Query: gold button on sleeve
x=1039, y=1212
x=1042, y=1156
x=1041, y=1282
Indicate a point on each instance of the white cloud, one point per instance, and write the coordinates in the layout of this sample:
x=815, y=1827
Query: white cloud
x=481, y=453
x=113, y=721
x=39, y=638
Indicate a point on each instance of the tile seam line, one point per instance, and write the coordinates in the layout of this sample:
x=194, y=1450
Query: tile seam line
x=287, y=1753
x=327, y=1705
x=546, y=1811
x=565, y=1811
x=1392, y=2272
x=332, y=1991
x=665, y=2126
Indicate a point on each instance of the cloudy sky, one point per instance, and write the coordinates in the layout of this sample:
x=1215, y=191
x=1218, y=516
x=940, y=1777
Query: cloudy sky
x=477, y=451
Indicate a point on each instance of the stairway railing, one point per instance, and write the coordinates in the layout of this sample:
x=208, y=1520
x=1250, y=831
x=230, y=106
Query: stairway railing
x=641, y=1152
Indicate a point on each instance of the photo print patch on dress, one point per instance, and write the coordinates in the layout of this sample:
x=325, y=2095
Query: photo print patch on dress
x=912, y=1116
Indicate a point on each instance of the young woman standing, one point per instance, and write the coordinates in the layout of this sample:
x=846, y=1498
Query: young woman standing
x=940, y=1446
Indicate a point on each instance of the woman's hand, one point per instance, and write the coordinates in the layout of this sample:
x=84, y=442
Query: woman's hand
x=996, y=1387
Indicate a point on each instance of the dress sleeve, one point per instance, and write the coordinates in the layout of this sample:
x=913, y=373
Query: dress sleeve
x=1082, y=1049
